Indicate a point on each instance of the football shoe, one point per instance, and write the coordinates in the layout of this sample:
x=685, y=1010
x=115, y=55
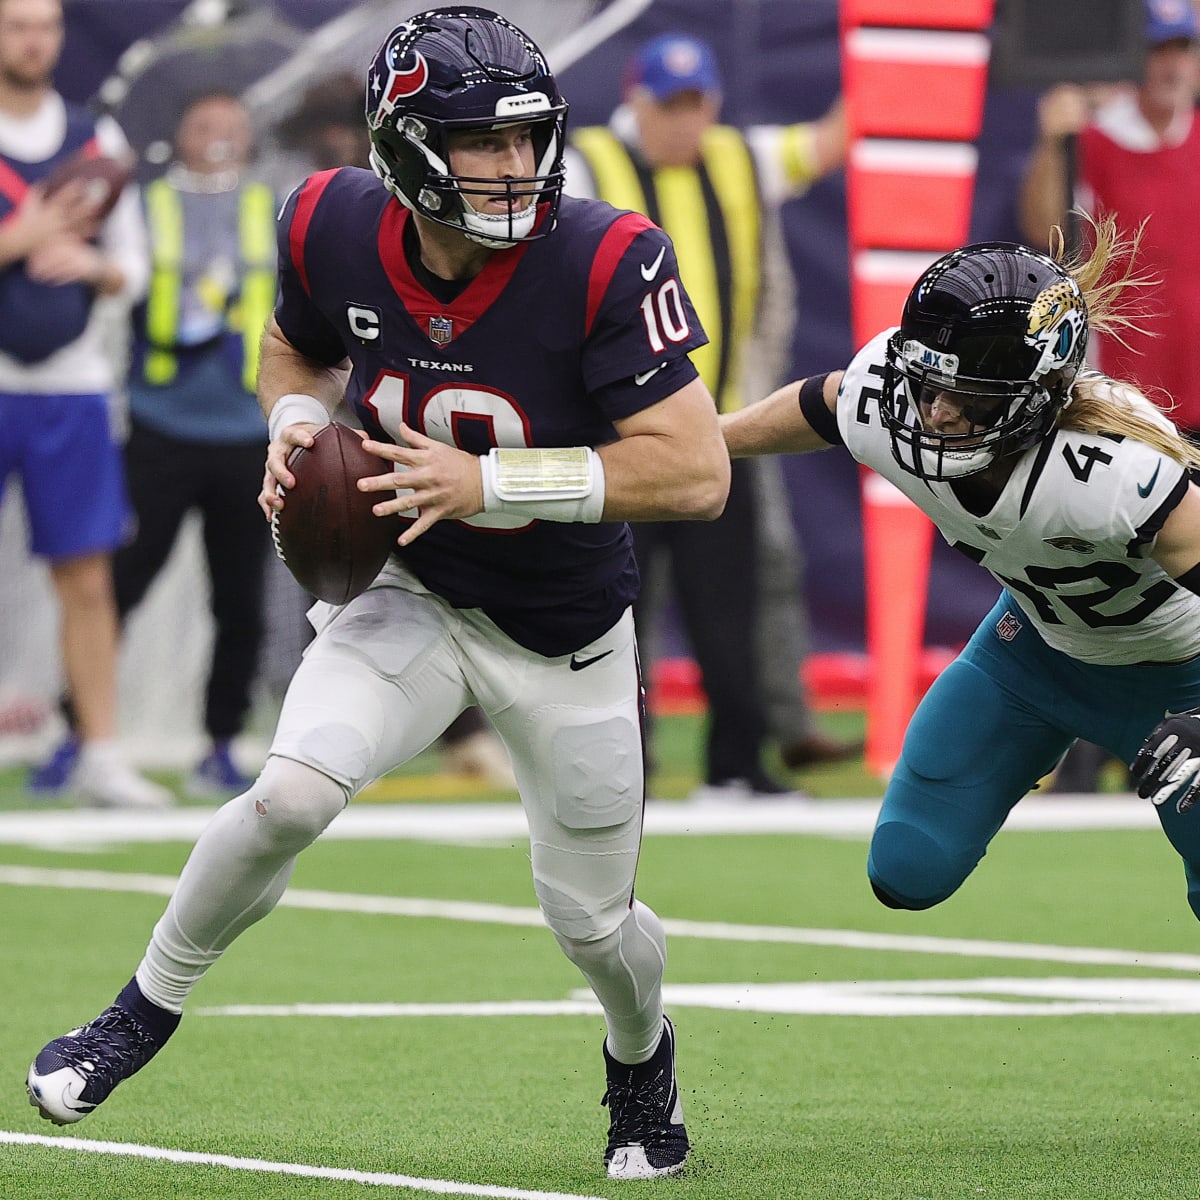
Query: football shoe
x=759, y=787
x=52, y=776
x=76, y=1072
x=217, y=775
x=104, y=780
x=646, y=1137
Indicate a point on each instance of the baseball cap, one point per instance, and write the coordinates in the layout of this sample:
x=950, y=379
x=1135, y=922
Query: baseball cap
x=674, y=63
x=1169, y=21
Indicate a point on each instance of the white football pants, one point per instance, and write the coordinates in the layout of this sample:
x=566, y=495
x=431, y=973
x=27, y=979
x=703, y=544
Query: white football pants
x=384, y=677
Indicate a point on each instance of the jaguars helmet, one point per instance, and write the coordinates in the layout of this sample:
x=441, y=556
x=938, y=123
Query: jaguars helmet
x=1001, y=328
x=455, y=68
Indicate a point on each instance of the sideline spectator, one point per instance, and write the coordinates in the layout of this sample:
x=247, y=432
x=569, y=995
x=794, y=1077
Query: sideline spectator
x=196, y=433
x=1138, y=160
x=57, y=376
x=717, y=191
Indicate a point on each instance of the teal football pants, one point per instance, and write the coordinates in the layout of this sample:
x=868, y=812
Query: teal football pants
x=994, y=722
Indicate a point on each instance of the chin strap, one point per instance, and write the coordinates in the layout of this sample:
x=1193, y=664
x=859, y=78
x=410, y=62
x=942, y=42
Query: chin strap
x=483, y=228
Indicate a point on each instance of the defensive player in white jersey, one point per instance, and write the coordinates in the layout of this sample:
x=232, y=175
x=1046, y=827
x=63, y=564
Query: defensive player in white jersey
x=1073, y=491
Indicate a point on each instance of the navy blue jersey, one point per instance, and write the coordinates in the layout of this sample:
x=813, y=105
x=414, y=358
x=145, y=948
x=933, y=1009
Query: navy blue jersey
x=553, y=341
x=37, y=319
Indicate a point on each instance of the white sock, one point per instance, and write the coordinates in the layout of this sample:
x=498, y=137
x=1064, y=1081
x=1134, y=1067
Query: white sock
x=235, y=875
x=625, y=971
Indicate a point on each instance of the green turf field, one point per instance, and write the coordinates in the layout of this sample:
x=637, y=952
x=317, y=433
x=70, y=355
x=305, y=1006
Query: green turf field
x=1031, y=1038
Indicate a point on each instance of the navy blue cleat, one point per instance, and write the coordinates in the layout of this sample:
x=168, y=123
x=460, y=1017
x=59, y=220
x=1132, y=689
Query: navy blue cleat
x=646, y=1137
x=218, y=775
x=53, y=776
x=76, y=1072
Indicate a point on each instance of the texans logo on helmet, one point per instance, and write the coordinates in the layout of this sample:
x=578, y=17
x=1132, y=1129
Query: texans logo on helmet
x=400, y=85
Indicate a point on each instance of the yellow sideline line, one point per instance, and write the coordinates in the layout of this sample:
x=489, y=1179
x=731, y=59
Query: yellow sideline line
x=435, y=786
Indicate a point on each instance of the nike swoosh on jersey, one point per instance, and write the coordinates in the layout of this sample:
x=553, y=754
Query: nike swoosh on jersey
x=578, y=664
x=1144, y=489
x=650, y=270
x=646, y=375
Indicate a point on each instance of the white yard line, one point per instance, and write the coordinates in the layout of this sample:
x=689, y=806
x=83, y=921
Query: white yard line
x=721, y=931
x=992, y=996
x=474, y=823
x=438, y=1187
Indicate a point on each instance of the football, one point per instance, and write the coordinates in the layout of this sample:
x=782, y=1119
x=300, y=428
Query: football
x=326, y=533
x=103, y=178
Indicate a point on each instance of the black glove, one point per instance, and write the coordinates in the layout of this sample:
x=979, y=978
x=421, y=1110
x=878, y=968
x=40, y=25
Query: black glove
x=1169, y=761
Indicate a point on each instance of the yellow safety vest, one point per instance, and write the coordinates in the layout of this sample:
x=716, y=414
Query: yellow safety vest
x=713, y=214
x=251, y=309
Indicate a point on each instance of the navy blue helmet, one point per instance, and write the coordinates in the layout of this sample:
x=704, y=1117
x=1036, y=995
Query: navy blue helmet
x=455, y=68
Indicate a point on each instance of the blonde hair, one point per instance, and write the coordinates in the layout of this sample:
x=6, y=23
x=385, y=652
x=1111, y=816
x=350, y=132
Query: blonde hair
x=1114, y=288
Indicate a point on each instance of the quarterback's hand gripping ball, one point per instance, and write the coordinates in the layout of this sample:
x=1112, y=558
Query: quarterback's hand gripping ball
x=1168, y=762
x=326, y=533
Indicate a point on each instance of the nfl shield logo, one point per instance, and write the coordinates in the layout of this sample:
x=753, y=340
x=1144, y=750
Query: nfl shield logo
x=441, y=330
x=1008, y=627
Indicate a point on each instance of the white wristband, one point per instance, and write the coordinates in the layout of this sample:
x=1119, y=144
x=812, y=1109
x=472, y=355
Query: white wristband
x=556, y=484
x=295, y=409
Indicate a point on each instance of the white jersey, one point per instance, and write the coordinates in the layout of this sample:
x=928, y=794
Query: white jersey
x=1069, y=537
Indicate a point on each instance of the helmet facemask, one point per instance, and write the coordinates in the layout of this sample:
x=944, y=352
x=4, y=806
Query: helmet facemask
x=1005, y=417
x=999, y=331
x=413, y=161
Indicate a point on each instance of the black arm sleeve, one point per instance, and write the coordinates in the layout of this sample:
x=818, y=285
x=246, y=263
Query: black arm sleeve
x=1190, y=579
x=816, y=411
